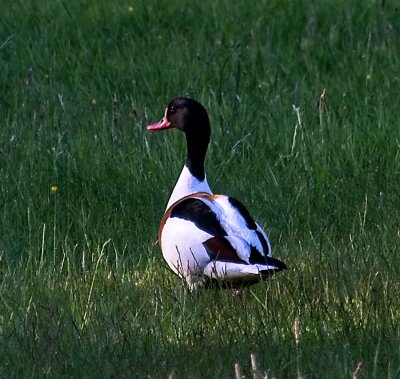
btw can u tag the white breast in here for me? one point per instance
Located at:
(186, 185)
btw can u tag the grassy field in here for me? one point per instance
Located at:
(84, 291)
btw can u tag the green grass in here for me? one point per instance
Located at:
(84, 291)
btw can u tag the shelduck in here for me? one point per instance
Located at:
(206, 237)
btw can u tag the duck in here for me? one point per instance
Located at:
(207, 238)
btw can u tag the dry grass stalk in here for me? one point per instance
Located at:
(238, 372)
(254, 367)
(358, 370)
(321, 100)
(297, 329)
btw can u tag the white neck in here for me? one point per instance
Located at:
(186, 185)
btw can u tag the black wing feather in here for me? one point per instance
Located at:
(200, 214)
(250, 223)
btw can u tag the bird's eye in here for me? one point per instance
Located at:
(172, 109)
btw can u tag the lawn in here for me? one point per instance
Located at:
(303, 98)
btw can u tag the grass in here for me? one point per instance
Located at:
(84, 291)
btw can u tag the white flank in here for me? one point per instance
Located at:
(182, 247)
(229, 271)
